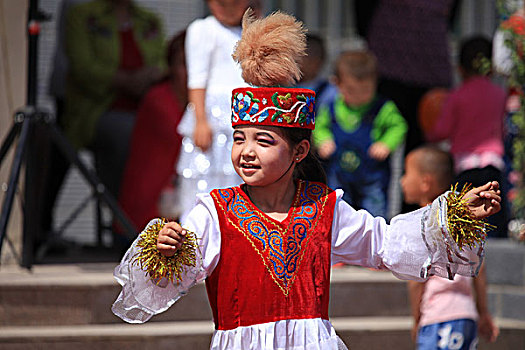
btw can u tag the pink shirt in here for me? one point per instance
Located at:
(446, 300)
(472, 119)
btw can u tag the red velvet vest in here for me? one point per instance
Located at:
(270, 270)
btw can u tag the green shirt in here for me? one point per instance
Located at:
(93, 50)
(389, 126)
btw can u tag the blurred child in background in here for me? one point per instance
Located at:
(472, 121)
(357, 131)
(212, 74)
(446, 313)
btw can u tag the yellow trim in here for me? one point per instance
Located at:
(283, 234)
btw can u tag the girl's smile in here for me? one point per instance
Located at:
(261, 155)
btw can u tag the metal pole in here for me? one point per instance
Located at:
(13, 181)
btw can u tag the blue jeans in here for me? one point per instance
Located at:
(369, 196)
(452, 335)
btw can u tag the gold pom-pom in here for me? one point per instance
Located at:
(465, 229)
(158, 266)
(270, 49)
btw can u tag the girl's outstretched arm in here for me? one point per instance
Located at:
(163, 264)
(484, 200)
(440, 239)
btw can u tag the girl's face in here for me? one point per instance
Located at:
(261, 155)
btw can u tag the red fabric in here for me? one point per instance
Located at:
(289, 107)
(249, 285)
(130, 60)
(154, 150)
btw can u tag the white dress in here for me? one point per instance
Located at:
(412, 246)
(209, 48)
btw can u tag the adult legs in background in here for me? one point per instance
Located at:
(406, 97)
(113, 133)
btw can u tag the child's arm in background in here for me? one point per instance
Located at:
(202, 134)
(389, 132)
(415, 292)
(486, 327)
(322, 135)
(199, 47)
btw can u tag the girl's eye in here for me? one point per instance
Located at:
(237, 139)
(266, 141)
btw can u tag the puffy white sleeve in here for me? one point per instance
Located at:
(413, 246)
(199, 46)
(141, 297)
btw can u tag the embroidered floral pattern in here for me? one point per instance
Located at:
(292, 109)
(280, 246)
(246, 107)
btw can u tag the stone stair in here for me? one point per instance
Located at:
(505, 264)
(68, 306)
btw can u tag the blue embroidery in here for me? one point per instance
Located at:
(281, 249)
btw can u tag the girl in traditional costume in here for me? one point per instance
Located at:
(265, 248)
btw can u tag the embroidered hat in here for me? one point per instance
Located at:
(268, 53)
(288, 107)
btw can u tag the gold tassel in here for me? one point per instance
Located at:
(463, 227)
(158, 266)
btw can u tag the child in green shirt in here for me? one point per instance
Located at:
(357, 132)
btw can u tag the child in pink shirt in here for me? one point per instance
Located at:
(472, 121)
(447, 313)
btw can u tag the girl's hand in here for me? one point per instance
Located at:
(170, 239)
(485, 200)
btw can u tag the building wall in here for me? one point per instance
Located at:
(12, 96)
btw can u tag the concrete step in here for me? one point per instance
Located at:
(79, 294)
(505, 262)
(358, 333)
(83, 294)
(505, 266)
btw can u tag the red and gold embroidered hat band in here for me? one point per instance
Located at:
(285, 107)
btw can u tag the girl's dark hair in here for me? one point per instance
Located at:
(475, 55)
(309, 169)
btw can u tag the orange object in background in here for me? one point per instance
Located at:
(430, 108)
